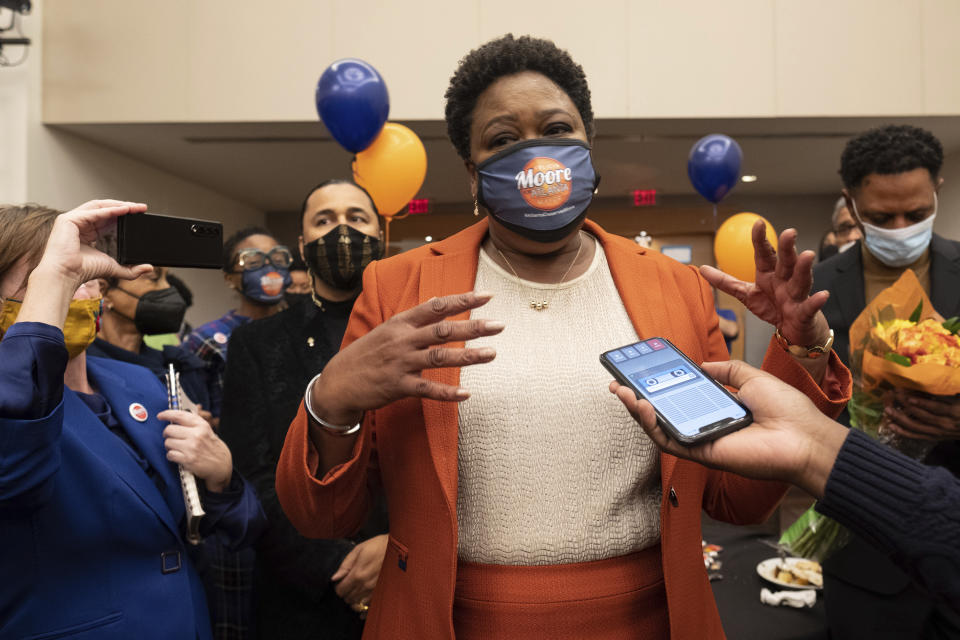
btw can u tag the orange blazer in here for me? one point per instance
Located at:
(409, 448)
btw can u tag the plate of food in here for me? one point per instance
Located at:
(792, 573)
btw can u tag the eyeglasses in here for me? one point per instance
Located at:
(252, 259)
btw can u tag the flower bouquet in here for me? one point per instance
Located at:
(897, 342)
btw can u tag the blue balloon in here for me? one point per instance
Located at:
(714, 166)
(353, 103)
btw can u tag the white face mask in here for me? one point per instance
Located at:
(898, 247)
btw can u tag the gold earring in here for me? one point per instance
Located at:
(476, 210)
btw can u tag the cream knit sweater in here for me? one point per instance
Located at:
(552, 468)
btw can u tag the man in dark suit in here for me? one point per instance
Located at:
(891, 178)
(304, 589)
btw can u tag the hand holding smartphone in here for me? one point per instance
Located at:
(691, 406)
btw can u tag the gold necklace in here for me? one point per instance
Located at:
(541, 305)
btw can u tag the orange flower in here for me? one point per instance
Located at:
(928, 342)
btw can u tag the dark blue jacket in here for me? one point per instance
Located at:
(91, 542)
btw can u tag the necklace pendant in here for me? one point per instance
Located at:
(539, 305)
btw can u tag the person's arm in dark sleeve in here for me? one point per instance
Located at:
(245, 427)
(32, 362)
(234, 515)
(215, 384)
(904, 508)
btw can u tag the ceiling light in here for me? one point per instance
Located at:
(748, 178)
(428, 239)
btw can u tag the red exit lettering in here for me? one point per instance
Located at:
(420, 205)
(644, 197)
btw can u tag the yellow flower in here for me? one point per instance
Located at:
(887, 331)
(928, 342)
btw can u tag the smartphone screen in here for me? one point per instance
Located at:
(691, 404)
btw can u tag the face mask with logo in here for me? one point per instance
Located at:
(540, 188)
(266, 284)
(340, 256)
(159, 311)
(79, 328)
(898, 247)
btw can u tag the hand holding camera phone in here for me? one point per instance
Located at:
(690, 405)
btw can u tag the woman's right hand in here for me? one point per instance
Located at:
(385, 364)
(69, 249)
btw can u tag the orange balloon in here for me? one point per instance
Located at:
(733, 245)
(392, 169)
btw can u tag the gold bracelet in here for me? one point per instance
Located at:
(813, 352)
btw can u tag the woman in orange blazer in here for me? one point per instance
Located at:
(523, 503)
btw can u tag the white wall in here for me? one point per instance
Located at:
(948, 214)
(40, 164)
(65, 170)
(243, 60)
(14, 89)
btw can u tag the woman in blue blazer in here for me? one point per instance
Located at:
(91, 510)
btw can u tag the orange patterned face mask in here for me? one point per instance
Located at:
(79, 329)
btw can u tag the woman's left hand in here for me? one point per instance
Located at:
(358, 573)
(781, 293)
(913, 414)
(191, 442)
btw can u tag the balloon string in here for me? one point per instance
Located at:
(716, 293)
(386, 248)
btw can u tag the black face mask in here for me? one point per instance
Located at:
(339, 257)
(159, 311)
(293, 299)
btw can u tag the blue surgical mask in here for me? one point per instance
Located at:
(266, 284)
(898, 247)
(540, 188)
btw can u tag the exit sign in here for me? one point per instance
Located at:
(644, 197)
(421, 205)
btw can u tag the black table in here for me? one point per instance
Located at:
(738, 593)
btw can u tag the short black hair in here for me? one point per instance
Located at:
(181, 288)
(298, 264)
(506, 56)
(888, 150)
(230, 245)
(327, 183)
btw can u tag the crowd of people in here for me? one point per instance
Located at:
(457, 383)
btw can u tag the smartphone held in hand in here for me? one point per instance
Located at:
(163, 241)
(691, 406)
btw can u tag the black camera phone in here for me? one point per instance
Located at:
(691, 406)
(164, 241)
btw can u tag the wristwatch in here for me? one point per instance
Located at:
(805, 352)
